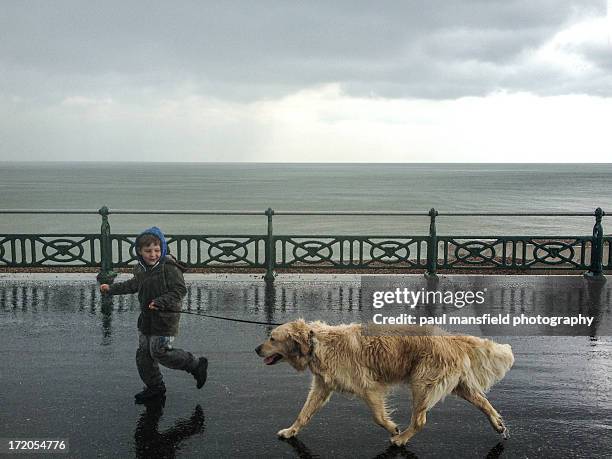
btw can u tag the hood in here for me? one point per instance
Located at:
(155, 231)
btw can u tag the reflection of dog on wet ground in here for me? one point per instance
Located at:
(344, 358)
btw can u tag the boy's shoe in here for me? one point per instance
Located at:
(149, 393)
(155, 405)
(200, 372)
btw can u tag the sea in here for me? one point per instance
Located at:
(305, 187)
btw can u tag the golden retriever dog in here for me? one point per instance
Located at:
(350, 359)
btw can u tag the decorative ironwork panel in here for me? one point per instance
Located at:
(32, 250)
(514, 252)
(322, 251)
(199, 251)
(352, 252)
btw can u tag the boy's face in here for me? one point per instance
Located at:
(150, 253)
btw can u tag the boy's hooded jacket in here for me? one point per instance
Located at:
(162, 283)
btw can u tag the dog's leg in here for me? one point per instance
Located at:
(417, 421)
(479, 400)
(424, 397)
(376, 402)
(317, 397)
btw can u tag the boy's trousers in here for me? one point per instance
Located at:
(154, 349)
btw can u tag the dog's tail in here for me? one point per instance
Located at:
(489, 363)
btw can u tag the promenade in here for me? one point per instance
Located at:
(68, 372)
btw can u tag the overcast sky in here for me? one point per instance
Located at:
(427, 80)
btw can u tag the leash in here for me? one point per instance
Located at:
(229, 319)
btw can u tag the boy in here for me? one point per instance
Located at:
(158, 280)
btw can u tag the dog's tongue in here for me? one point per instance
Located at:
(269, 360)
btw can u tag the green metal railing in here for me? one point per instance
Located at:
(267, 252)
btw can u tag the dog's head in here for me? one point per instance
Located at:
(292, 342)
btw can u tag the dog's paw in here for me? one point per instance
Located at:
(501, 428)
(287, 433)
(397, 440)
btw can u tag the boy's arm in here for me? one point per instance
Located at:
(171, 300)
(122, 288)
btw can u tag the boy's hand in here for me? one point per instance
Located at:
(152, 305)
(104, 288)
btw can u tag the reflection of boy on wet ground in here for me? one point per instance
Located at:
(150, 442)
(158, 280)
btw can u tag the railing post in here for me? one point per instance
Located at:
(106, 274)
(270, 250)
(595, 271)
(432, 246)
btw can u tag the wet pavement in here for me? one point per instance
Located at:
(68, 371)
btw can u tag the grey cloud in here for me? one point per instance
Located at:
(598, 55)
(251, 50)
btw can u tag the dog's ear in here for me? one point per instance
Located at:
(301, 334)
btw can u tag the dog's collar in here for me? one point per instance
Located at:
(310, 344)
